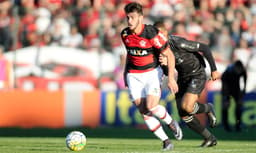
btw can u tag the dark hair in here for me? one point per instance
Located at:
(238, 67)
(133, 7)
(159, 24)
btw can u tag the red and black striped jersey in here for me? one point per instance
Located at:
(143, 49)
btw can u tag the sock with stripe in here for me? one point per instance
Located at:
(161, 112)
(200, 108)
(194, 124)
(155, 126)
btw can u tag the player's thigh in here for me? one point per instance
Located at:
(153, 82)
(194, 88)
(152, 101)
(196, 84)
(153, 87)
(136, 87)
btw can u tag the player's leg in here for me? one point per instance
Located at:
(136, 85)
(153, 97)
(225, 99)
(154, 126)
(153, 92)
(161, 112)
(192, 106)
(190, 103)
(194, 124)
(136, 88)
(238, 111)
(225, 107)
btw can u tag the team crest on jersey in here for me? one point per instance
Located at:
(127, 41)
(142, 43)
(193, 84)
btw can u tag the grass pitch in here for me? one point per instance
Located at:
(120, 140)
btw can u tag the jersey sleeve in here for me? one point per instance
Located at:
(157, 39)
(184, 44)
(124, 33)
(193, 46)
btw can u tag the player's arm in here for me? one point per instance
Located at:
(171, 69)
(160, 42)
(193, 46)
(123, 34)
(209, 57)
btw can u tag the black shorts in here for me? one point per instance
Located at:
(192, 84)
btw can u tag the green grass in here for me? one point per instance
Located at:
(120, 140)
(118, 145)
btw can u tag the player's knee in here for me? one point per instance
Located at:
(188, 108)
(143, 110)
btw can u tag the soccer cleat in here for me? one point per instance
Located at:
(177, 132)
(212, 117)
(210, 142)
(167, 145)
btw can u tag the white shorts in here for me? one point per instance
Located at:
(142, 84)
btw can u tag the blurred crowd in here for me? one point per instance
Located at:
(228, 26)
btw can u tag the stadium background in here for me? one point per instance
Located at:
(63, 59)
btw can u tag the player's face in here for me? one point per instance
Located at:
(134, 20)
(164, 31)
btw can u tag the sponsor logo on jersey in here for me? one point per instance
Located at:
(183, 45)
(137, 52)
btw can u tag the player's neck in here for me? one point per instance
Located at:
(138, 29)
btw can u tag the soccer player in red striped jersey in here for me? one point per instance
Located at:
(143, 74)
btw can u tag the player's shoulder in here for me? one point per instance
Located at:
(183, 42)
(176, 38)
(125, 32)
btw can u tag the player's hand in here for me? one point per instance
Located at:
(215, 75)
(172, 85)
(162, 59)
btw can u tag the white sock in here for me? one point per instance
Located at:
(155, 126)
(160, 112)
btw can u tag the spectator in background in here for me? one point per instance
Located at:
(242, 52)
(224, 45)
(5, 25)
(5, 71)
(231, 89)
(74, 39)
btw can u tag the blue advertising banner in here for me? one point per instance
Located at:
(118, 110)
(248, 110)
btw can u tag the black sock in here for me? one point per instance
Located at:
(194, 124)
(200, 108)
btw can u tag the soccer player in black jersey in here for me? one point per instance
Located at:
(190, 66)
(143, 74)
(231, 89)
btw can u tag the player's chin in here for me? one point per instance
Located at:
(131, 27)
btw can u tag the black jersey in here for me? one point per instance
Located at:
(188, 60)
